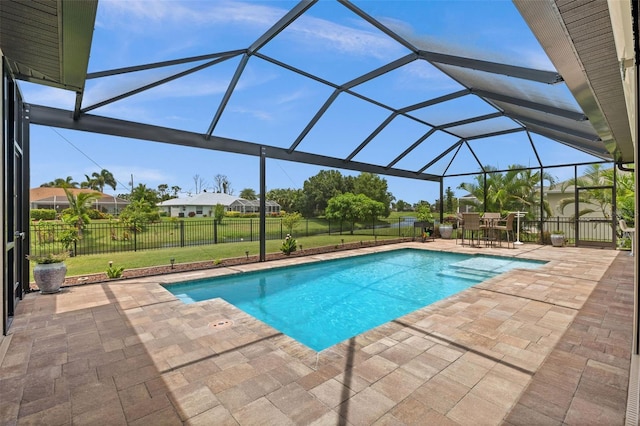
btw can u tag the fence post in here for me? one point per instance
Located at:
(307, 228)
(399, 230)
(281, 237)
(251, 229)
(182, 233)
(215, 231)
(135, 236)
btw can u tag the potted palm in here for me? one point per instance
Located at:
(49, 271)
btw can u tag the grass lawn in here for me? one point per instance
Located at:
(91, 264)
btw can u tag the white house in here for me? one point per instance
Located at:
(203, 205)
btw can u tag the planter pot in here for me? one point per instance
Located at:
(446, 231)
(557, 240)
(49, 276)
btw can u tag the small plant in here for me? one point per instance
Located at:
(289, 245)
(114, 271)
(217, 262)
(68, 238)
(45, 259)
(557, 232)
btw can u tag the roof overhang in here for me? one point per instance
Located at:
(48, 41)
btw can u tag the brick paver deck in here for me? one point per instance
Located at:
(549, 346)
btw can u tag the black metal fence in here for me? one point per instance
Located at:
(109, 237)
(599, 231)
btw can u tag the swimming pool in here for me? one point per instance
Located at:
(323, 303)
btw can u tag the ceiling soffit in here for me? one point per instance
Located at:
(578, 38)
(47, 41)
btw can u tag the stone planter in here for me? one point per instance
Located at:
(557, 240)
(49, 276)
(446, 231)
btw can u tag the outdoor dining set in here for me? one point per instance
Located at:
(488, 228)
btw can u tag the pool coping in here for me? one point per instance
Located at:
(466, 359)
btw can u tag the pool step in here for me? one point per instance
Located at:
(468, 274)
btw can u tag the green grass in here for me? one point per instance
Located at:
(104, 236)
(97, 263)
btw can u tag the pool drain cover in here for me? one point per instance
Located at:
(223, 323)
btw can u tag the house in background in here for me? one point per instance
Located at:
(56, 199)
(203, 205)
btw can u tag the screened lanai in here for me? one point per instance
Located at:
(423, 91)
(427, 92)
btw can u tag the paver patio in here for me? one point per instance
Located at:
(548, 346)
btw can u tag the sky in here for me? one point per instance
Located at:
(272, 106)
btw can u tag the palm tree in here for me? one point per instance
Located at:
(61, 183)
(89, 183)
(105, 178)
(594, 196)
(248, 194)
(97, 181)
(79, 205)
(517, 189)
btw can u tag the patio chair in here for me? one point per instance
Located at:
(471, 223)
(459, 226)
(487, 224)
(506, 225)
(629, 231)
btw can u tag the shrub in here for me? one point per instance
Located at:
(291, 220)
(114, 271)
(69, 237)
(289, 245)
(43, 214)
(96, 214)
(48, 258)
(191, 214)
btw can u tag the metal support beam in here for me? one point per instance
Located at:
(282, 23)
(228, 93)
(314, 120)
(55, 117)
(439, 157)
(155, 84)
(540, 76)
(435, 101)
(411, 148)
(263, 204)
(373, 134)
(162, 64)
(441, 209)
(470, 120)
(548, 109)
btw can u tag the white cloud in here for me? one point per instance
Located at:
(48, 96)
(214, 13)
(259, 114)
(287, 98)
(343, 38)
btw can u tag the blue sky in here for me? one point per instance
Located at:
(271, 106)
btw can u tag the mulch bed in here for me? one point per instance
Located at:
(209, 264)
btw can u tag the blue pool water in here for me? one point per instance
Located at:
(324, 303)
